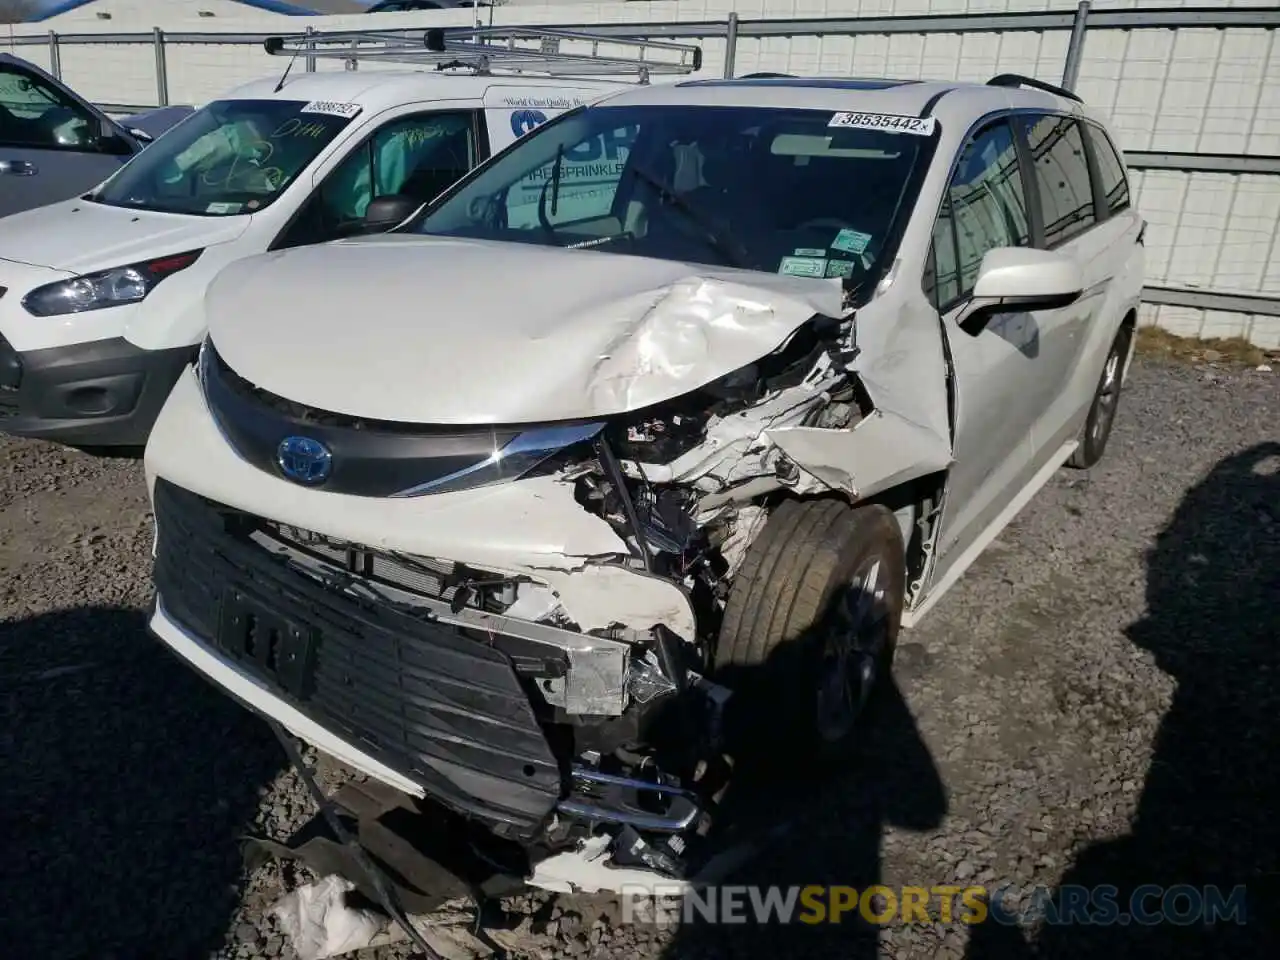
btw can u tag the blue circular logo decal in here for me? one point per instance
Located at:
(522, 121)
(304, 460)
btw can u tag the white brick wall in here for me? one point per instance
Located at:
(1189, 90)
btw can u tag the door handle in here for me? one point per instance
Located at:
(17, 168)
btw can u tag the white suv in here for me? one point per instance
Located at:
(637, 447)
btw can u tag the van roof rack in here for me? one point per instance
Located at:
(1017, 80)
(484, 49)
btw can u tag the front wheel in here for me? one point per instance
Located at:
(1106, 399)
(811, 623)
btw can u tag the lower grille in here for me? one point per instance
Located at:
(442, 709)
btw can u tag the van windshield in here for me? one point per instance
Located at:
(800, 192)
(231, 157)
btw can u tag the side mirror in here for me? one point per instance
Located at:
(1020, 278)
(383, 213)
(141, 136)
(111, 142)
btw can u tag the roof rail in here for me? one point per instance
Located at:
(1017, 80)
(484, 49)
(767, 76)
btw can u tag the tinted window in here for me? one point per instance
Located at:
(943, 277)
(418, 156)
(1111, 176)
(1062, 176)
(231, 157)
(776, 190)
(36, 115)
(986, 207)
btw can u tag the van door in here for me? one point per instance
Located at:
(999, 371)
(53, 144)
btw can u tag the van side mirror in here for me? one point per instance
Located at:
(111, 142)
(1015, 279)
(383, 213)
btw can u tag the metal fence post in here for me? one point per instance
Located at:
(730, 45)
(55, 55)
(162, 68)
(1075, 50)
(311, 45)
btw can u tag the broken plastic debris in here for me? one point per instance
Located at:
(320, 924)
(646, 682)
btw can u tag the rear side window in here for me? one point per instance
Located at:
(1111, 178)
(1062, 177)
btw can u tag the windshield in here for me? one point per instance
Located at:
(231, 157)
(782, 191)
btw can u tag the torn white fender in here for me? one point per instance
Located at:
(880, 452)
(903, 369)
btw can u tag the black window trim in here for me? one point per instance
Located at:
(1102, 204)
(479, 131)
(1090, 164)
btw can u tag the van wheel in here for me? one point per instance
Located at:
(1106, 399)
(810, 624)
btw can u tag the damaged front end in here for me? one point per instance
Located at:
(556, 709)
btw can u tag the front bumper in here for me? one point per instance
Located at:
(101, 393)
(412, 701)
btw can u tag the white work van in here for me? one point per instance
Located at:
(101, 296)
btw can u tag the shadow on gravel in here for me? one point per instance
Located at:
(126, 782)
(1209, 814)
(835, 840)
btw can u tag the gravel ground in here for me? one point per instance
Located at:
(1095, 702)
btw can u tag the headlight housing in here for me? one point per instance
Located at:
(105, 288)
(512, 461)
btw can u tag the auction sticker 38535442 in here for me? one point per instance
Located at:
(888, 122)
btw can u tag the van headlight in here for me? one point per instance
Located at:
(105, 288)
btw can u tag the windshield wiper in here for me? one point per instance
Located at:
(553, 184)
(730, 250)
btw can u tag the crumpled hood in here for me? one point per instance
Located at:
(77, 236)
(448, 331)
